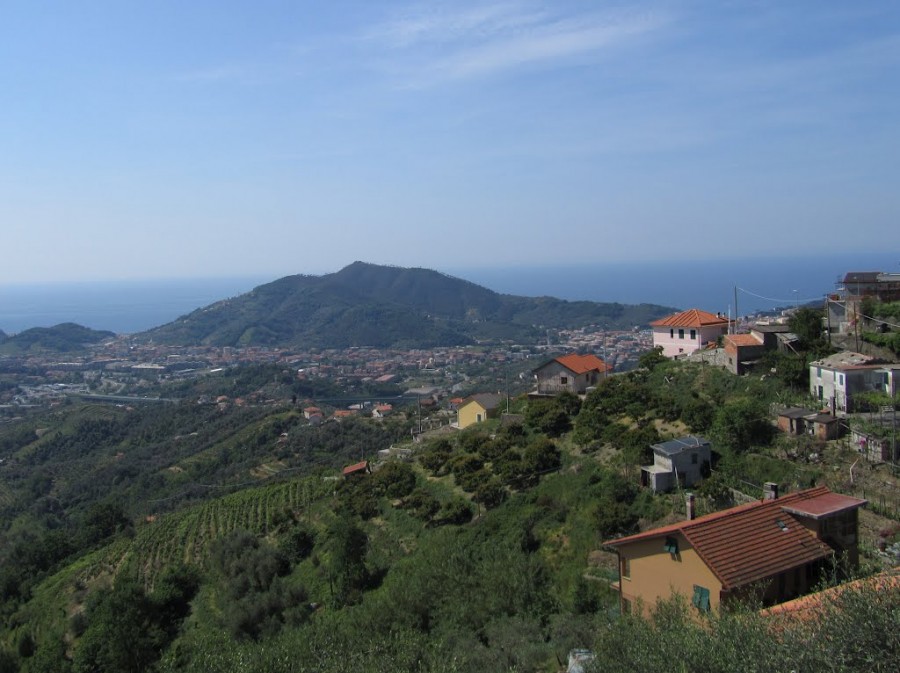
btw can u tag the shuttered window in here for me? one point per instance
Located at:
(701, 598)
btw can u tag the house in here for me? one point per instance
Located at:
(382, 410)
(571, 373)
(773, 549)
(837, 379)
(774, 336)
(357, 469)
(882, 286)
(682, 461)
(742, 351)
(478, 408)
(845, 306)
(796, 421)
(683, 333)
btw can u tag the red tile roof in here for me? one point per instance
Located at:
(743, 340)
(750, 542)
(691, 318)
(827, 504)
(811, 606)
(579, 364)
(356, 467)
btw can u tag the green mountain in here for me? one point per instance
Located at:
(383, 306)
(63, 338)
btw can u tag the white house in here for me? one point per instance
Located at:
(683, 333)
(835, 380)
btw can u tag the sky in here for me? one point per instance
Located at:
(161, 139)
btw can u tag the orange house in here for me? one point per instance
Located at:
(772, 549)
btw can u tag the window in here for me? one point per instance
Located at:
(563, 380)
(625, 567)
(681, 334)
(478, 418)
(840, 379)
(693, 335)
(819, 372)
(700, 599)
(671, 545)
(671, 333)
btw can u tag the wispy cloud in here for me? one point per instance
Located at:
(451, 43)
(214, 74)
(444, 24)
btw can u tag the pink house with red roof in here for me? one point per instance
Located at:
(683, 333)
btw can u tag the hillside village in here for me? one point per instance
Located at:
(503, 508)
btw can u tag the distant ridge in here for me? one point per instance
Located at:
(386, 306)
(63, 338)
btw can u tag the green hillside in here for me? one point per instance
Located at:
(204, 538)
(380, 306)
(63, 338)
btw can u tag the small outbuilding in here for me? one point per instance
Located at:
(677, 462)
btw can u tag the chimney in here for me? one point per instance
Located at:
(770, 491)
(689, 506)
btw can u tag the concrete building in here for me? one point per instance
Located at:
(681, 461)
(796, 421)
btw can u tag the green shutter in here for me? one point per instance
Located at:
(671, 545)
(700, 600)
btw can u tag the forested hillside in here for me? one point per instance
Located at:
(63, 338)
(380, 306)
(201, 537)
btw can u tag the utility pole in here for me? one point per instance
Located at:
(506, 373)
(734, 326)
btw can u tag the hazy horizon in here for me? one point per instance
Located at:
(762, 284)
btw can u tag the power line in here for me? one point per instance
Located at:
(789, 301)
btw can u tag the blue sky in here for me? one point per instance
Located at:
(220, 138)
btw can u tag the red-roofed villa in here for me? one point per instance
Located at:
(774, 549)
(683, 333)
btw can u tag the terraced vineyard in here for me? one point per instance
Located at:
(184, 536)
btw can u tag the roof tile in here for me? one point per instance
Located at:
(691, 318)
(750, 542)
(579, 364)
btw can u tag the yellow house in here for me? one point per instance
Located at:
(773, 549)
(477, 409)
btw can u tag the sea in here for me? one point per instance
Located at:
(743, 286)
